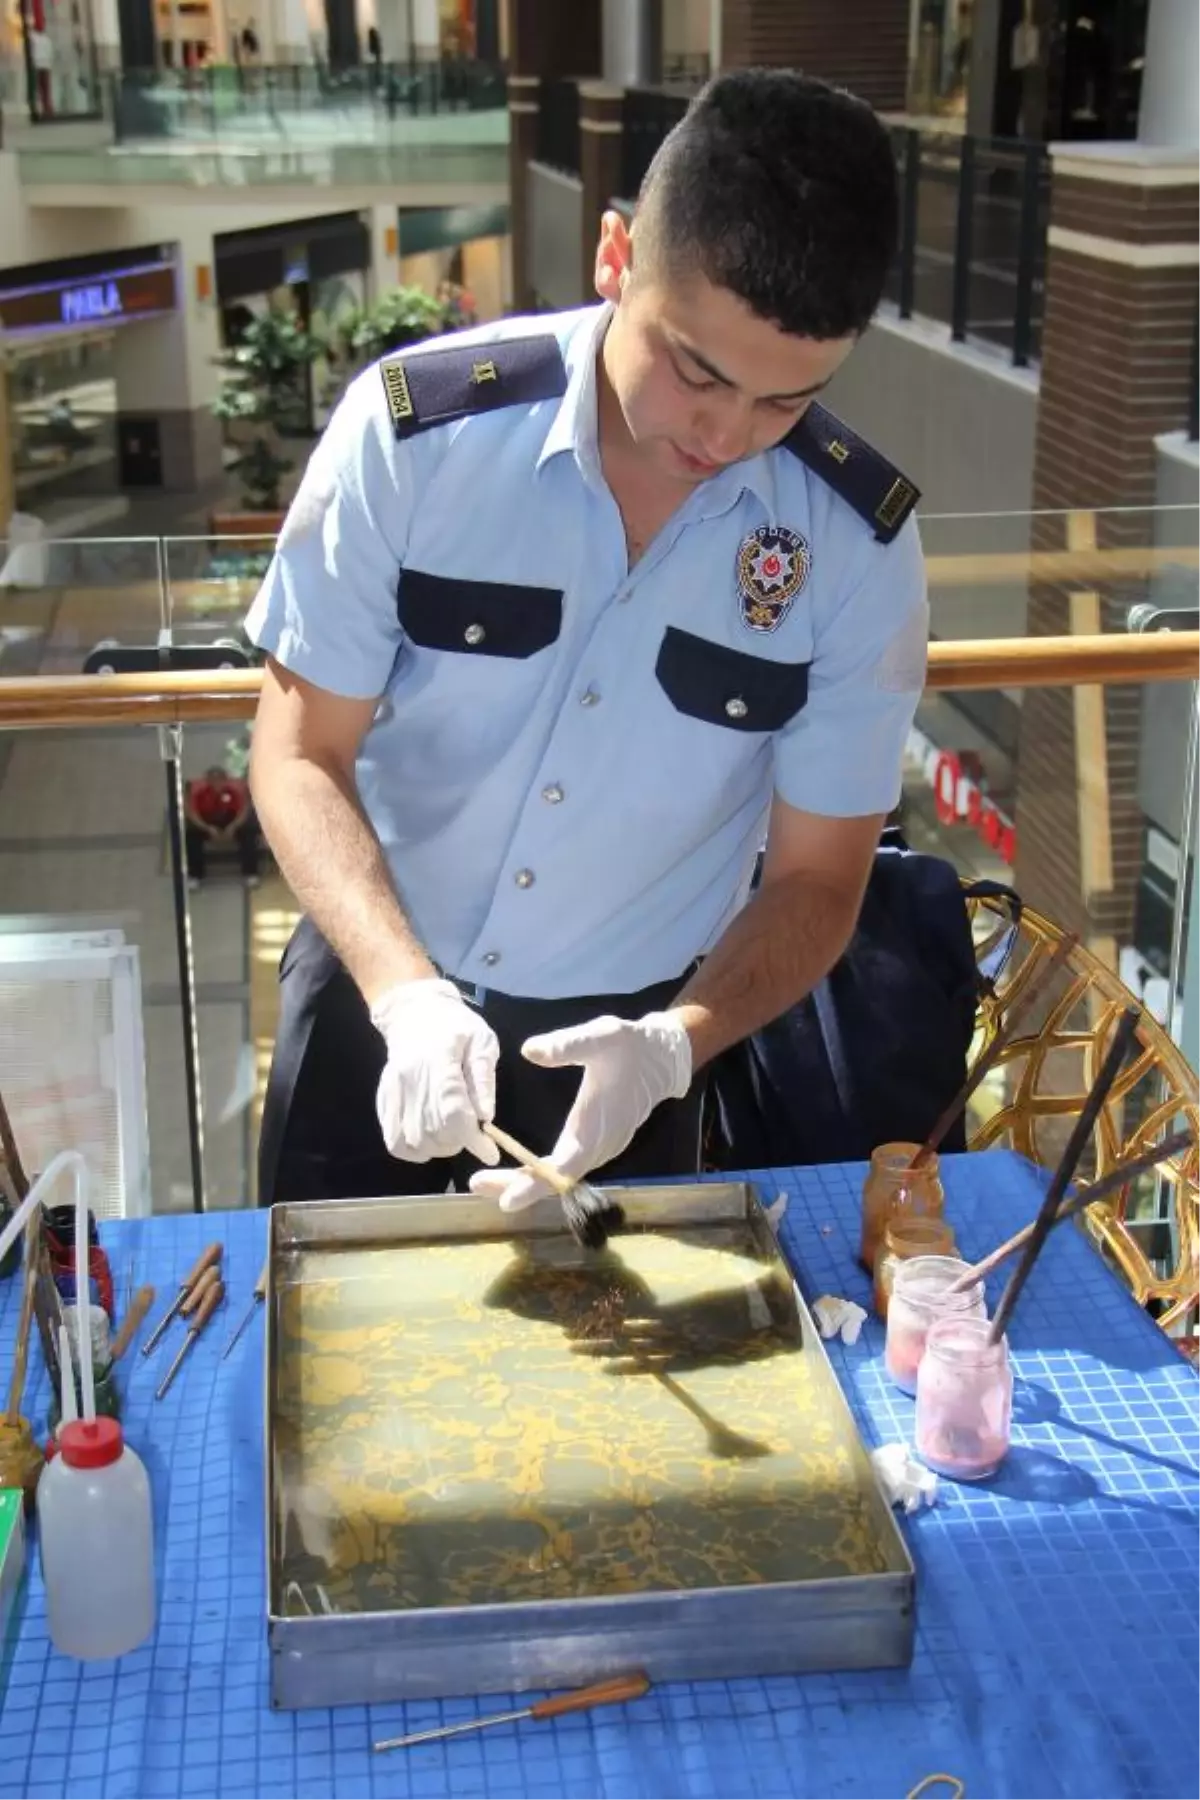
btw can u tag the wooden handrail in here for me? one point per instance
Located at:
(41, 702)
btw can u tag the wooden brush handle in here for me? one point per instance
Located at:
(208, 1279)
(983, 1068)
(135, 1312)
(11, 1155)
(1064, 1172)
(562, 1184)
(209, 1303)
(208, 1258)
(601, 1693)
(1116, 1178)
(21, 1359)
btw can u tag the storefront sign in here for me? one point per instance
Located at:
(103, 300)
(959, 800)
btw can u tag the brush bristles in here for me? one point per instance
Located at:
(591, 1216)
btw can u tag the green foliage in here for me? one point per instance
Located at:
(404, 315)
(259, 379)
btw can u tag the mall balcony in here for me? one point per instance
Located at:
(430, 130)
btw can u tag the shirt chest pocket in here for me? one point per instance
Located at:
(477, 618)
(727, 687)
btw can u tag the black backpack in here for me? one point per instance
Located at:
(880, 1047)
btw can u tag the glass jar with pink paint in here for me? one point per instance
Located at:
(964, 1400)
(921, 1294)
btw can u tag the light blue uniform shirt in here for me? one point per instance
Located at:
(572, 762)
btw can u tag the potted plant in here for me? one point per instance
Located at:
(259, 381)
(402, 316)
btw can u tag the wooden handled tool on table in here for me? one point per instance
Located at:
(987, 1062)
(135, 1312)
(199, 1309)
(208, 1259)
(1117, 1177)
(260, 1293)
(592, 1216)
(602, 1693)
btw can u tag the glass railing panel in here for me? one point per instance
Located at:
(1075, 795)
(234, 892)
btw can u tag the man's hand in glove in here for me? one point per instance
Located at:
(629, 1067)
(440, 1077)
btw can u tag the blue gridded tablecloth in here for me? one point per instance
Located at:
(1056, 1629)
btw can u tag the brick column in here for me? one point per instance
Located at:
(522, 148)
(600, 140)
(554, 37)
(545, 38)
(1120, 314)
(859, 44)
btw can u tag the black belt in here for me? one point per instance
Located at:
(476, 994)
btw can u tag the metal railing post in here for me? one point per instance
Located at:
(909, 196)
(961, 301)
(1027, 250)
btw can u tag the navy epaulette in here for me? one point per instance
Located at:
(867, 481)
(433, 387)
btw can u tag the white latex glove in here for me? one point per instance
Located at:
(440, 1076)
(629, 1067)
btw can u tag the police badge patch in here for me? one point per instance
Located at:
(772, 567)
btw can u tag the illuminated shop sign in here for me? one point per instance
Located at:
(79, 305)
(117, 299)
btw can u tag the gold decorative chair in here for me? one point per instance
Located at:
(1038, 1088)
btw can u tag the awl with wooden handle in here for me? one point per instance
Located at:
(260, 1293)
(207, 1259)
(602, 1693)
(135, 1312)
(207, 1306)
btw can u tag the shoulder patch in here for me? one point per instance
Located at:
(433, 387)
(863, 478)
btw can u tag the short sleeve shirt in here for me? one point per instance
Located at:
(572, 762)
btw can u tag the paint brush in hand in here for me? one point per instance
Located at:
(592, 1215)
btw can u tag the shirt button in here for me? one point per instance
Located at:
(525, 878)
(589, 697)
(736, 708)
(553, 793)
(474, 634)
(490, 958)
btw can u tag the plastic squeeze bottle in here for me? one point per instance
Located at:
(97, 1537)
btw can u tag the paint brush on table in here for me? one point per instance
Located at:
(1063, 1175)
(1117, 1177)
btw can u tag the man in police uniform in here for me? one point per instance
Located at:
(569, 614)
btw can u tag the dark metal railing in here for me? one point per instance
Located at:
(558, 126)
(648, 114)
(972, 241)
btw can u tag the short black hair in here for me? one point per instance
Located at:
(783, 190)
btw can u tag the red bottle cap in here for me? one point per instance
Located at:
(90, 1444)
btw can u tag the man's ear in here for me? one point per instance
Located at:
(614, 256)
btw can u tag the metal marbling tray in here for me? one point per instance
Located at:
(496, 1462)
